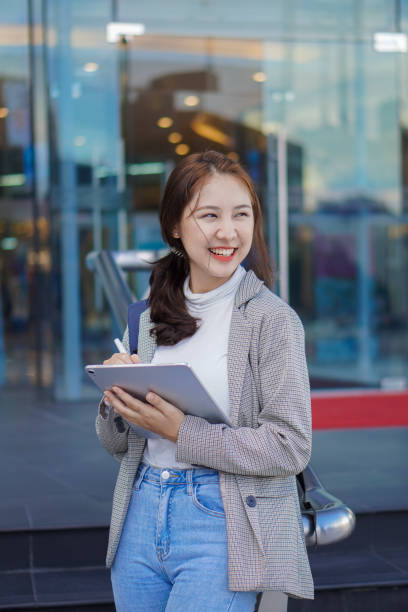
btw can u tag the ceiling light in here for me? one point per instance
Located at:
(91, 67)
(201, 126)
(259, 77)
(182, 149)
(165, 122)
(115, 31)
(175, 137)
(191, 100)
(390, 42)
(9, 243)
(12, 180)
(3, 112)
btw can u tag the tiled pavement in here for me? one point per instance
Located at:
(54, 472)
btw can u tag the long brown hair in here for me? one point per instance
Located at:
(168, 310)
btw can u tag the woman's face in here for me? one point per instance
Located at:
(216, 230)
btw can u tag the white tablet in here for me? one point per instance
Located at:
(175, 383)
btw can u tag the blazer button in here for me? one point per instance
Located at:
(251, 501)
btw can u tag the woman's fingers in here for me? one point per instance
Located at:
(120, 405)
(156, 414)
(158, 402)
(130, 405)
(121, 358)
(128, 399)
(113, 360)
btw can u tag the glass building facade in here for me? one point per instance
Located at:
(306, 95)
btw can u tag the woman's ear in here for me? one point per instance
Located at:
(175, 233)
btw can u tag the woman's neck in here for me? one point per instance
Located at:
(199, 284)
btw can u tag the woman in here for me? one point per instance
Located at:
(206, 515)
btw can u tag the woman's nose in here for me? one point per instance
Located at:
(226, 230)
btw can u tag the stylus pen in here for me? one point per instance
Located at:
(119, 346)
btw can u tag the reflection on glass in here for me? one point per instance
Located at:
(321, 126)
(348, 251)
(18, 259)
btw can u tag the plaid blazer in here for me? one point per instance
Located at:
(258, 458)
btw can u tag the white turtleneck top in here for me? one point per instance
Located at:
(206, 352)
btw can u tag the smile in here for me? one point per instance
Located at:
(223, 253)
(226, 252)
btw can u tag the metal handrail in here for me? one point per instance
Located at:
(326, 519)
(114, 283)
(110, 266)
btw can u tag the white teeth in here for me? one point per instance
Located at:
(224, 252)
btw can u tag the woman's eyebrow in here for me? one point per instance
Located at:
(204, 207)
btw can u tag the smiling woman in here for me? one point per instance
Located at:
(187, 506)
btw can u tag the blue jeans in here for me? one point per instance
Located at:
(172, 553)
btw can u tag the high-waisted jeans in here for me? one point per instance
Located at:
(172, 553)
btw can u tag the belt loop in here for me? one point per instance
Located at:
(189, 480)
(138, 480)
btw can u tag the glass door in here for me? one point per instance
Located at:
(24, 258)
(338, 110)
(318, 121)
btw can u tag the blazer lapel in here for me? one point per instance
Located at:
(238, 350)
(146, 343)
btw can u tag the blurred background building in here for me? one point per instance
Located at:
(99, 100)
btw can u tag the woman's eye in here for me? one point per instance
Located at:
(214, 216)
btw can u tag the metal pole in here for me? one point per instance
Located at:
(37, 284)
(96, 225)
(71, 313)
(283, 216)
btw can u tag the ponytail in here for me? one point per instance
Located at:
(168, 309)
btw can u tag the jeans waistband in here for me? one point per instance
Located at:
(172, 476)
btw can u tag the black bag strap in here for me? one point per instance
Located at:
(135, 311)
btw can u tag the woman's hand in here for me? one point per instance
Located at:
(121, 358)
(155, 414)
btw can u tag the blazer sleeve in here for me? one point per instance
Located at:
(115, 442)
(281, 444)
